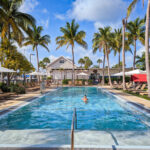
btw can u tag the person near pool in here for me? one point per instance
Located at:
(84, 98)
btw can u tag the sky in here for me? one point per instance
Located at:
(89, 14)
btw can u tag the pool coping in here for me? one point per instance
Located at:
(48, 146)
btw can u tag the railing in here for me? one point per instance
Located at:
(73, 126)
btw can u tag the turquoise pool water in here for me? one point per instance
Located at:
(54, 111)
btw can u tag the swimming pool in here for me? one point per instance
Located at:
(103, 112)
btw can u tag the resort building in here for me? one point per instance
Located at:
(61, 68)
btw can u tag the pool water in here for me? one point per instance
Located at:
(54, 111)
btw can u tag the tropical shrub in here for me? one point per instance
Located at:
(49, 78)
(65, 81)
(90, 81)
(19, 90)
(4, 87)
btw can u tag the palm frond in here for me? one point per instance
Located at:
(131, 7)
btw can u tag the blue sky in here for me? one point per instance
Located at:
(90, 14)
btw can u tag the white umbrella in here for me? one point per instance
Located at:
(37, 73)
(129, 73)
(2, 69)
(117, 74)
(137, 71)
(82, 74)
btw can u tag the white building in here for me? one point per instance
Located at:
(61, 68)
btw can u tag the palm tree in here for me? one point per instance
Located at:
(46, 61)
(102, 39)
(136, 32)
(81, 61)
(97, 45)
(88, 62)
(124, 22)
(13, 21)
(130, 8)
(36, 39)
(140, 61)
(70, 36)
(99, 61)
(117, 45)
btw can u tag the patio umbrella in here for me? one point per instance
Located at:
(5, 70)
(117, 74)
(129, 73)
(82, 74)
(137, 71)
(36, 73)
(2, 69)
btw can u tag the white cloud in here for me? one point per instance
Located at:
(52, 58)
(129, 59)
(98, 10)
(45, 23)
(60, 16)
(26, 51)
(45, 11)
(28, 6)
(80, 52)
(140, 51)
(112, 25)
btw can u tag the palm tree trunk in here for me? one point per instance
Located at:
(134, 54)
(37, 56)
(24, 79)
(123, 52)
(107, 55)
(73, 75)
(147, 47)
(8, 79)
(103, 77)
(119, 61)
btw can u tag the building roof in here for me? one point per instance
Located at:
(65, 65)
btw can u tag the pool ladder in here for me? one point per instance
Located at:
(73, 127)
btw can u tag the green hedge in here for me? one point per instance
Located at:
(65, 81)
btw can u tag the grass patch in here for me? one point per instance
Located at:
(135, 94)
(138, 95)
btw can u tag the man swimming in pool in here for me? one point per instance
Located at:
(84, 98)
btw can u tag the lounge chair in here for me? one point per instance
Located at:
(80, 83)
(129, 85)
(70, 82)
(136, 88)
(1, 92)
(115, 83)
(118, 86)
(139, 89)
(86, 83)
(143, 93)
(76, 82)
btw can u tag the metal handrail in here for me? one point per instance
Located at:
(73, 126)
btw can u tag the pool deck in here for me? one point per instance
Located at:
(140, 102)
